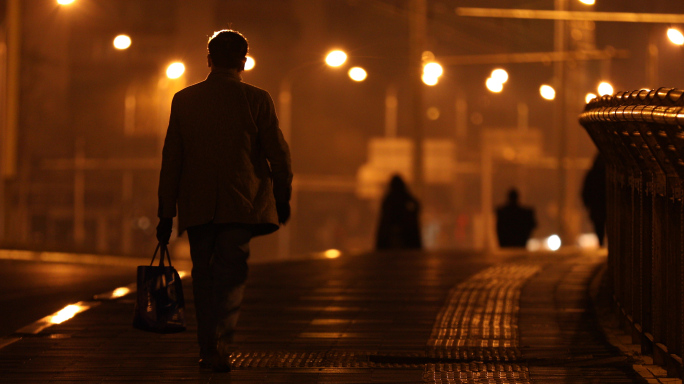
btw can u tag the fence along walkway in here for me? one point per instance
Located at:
(640, 134)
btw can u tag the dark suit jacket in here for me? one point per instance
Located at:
(224, 159)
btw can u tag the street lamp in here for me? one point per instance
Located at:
(675, 36)
(605, 89)
(336, 58)
(547, 92)
(122, 42)
(494, 85)
(357, 74)
(250, 63)
(175, 70)
(431, 73)
(589, 97)
(65, 2)
(588, 2)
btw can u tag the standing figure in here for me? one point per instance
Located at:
(399, 225)
(594, 196)
(226, 166)
(514, 223)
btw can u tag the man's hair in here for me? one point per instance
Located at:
(228, 49)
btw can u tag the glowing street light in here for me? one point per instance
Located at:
(588, 2)
(500, 75)
(65, 2)
(547, 92)
(494, 85)
(357, 74)
(250, 63)
(605, 89)
(675, 36)
(433, 69)
(122, 42)
(429, 80)
(336, 58)
(589, 97)
(175, 70)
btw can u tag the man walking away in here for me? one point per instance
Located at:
(514, 223)
(226, 166)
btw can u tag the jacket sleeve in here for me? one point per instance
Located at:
(172, 162)
(276, 149)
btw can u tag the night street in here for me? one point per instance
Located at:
(395, 317)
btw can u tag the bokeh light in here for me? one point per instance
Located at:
(65, 2)
(553, 242)
(358, 74)
(494, 85)
(336, 58)
(675, 36)
(175, 70)
(433, 69)
(589, 97)
(588, 2)
(250, 63)
(429, 80)
(605, 89)
(500, 75)
(122, 42)
(547, 92)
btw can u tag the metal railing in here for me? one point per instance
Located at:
(641, 136)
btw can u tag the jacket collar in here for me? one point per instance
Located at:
(228, 73)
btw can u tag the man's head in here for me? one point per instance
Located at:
(513, 196)
(228, 49)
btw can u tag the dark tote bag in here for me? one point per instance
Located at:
(159, 304)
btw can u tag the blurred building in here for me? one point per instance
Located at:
(81, 174)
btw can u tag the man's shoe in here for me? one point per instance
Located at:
(220, 364)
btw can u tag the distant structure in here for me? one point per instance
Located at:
(399, 226)
(514, 223)
(594, 196)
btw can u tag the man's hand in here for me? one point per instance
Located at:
(164, 229)
(283, 209)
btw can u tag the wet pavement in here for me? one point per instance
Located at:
(393, 317)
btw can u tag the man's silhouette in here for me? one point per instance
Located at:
(594, 196)
(227, 167)
(514, 223)
(399, 225)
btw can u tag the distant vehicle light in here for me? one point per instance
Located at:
(605, 89)
(336, 58)
(675, 36)
(589, 97)
(122, 42)
(547, 92)
(500, 75)
(250, 63)
(332, 254)
(358, 74)
(175, 70)
(494, 85)
(553, 242)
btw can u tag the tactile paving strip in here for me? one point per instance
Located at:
(474, 339)
(479, 324)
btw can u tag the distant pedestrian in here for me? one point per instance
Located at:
(514, 223)
(594, 196)
(399, 226)
(227, 167)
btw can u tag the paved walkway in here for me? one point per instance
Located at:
(406, 317)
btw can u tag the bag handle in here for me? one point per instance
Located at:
(164, 251)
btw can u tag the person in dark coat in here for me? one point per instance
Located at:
(226, 166)
(594, 196)
(514, 223)
(399, 226)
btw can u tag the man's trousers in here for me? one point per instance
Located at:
(219, 255)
